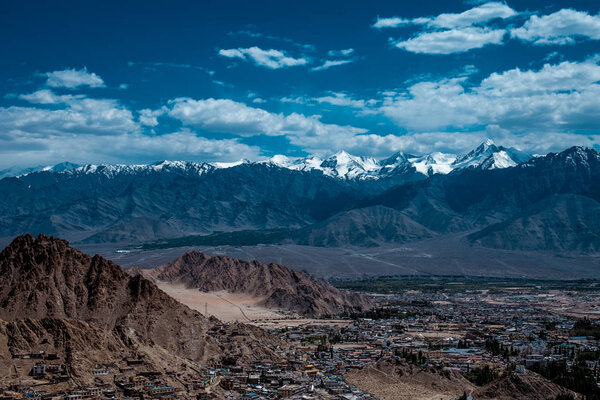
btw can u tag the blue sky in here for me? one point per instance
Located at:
(133, 81)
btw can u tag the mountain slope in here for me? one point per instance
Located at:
(280, 287)
(565, 222)
(46, 280)
(115, 204)
(168, 200)
(370, 226)
(476, 198)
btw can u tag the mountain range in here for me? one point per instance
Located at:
(339, 165)
(493, 196)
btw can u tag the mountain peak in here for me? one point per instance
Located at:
(63, 166)
(489, 156)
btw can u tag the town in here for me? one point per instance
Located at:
(478, 331)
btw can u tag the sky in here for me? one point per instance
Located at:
(142, 81)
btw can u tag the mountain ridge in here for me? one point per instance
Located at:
(169, 201)
(281, 287)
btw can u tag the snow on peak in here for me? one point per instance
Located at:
(489, 156)
(223, 165)
(433, 163)
(344, 165)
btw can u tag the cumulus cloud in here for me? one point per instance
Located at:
(272, 59)
(459, 142)
(71, 115)
(150, 117)
(340, 53)
(84, 130)
(46, 96)
(476, 15)
(483, 13)
(224, 115)
(560, 97)
(342, 99)
(560, 28)
(26, 149)
(331, 63)
(452, 41)
(450, 33)
(391, 22)
(73, 78)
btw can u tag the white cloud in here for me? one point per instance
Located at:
(560, 97)
(392, 22)
(273, 59)
(561, 27)
(342, 99)
(452, 41)
(150, 117)
(457, 142)
(46, 96)
(27, 150)
(476, 15)
(224, 115)
(331, 63)
(295, 100)
(73, 78)
(340, 53)
(564, 77)
(71, 115)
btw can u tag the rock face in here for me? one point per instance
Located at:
(89, 305)
(280, 287)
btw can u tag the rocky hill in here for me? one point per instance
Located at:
(91, 310)
(528, 385)
(281, 287)
(390, 378)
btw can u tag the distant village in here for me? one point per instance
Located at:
(478, 333)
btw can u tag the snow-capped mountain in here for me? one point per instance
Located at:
(346, 166)
(16, 171)
(186, 167)
(433, 163)
(344, 200)
(340, 165)
(489, 156)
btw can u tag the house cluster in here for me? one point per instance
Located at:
(455, 330)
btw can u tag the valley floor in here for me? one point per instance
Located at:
(447, 255)
(223, 305)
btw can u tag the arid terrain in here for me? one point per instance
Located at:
(224, 305)
(270, 286)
